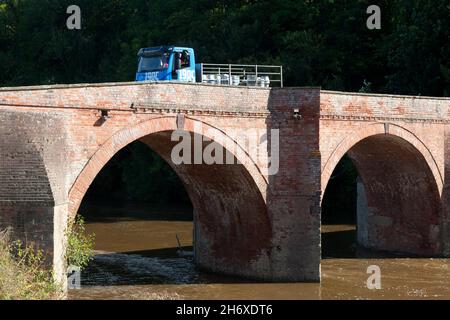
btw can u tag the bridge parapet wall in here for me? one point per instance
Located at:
(378, 107)
(126, 96)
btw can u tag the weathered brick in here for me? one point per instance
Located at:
(54, 142)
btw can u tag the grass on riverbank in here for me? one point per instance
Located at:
(22, 275)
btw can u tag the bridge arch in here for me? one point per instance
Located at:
(232, 228)
(399, 204)
(374, 129)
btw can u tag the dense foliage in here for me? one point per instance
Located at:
(339, 200)
(137, 175)
(23, 275)
(321, 43)
(80, 244)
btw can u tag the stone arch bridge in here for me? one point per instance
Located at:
(248, 222)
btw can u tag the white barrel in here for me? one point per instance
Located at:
(261, 82)
(251, 80)
(236, 80)
(225, 79)
(266, 81)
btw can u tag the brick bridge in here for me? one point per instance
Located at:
(54, 141)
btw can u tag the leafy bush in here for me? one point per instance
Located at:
(23, 274)
(79, 244)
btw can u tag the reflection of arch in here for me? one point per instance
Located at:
(232, 228)
(126, 136)
(379, 128)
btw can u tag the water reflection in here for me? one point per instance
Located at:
(137, 259)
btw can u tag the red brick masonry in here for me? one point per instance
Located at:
(54, 142)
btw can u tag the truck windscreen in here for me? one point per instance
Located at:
(152, 63)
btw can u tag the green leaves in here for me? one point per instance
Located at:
(137, 174)
(23, 275)
(418, 48)
(79, 244)
(324, 43)
(148, 178)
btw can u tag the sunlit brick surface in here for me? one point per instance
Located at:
(54, 142)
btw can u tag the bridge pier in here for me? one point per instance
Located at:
(293, 198)
(41, 226)
(362, 212)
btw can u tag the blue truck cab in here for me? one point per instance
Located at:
(166, 63)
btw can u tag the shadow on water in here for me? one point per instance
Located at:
(138, 259)
(339, 218)
(136, 245)
(341, 244)
(122, 211)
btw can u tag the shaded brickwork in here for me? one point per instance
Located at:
(32, 178)
(54, 141)
(233, 230)
(294, 192)
(397, 145)
(401, 188)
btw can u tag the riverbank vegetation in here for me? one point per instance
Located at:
(24, 272)
(23, 275)
(80, 244)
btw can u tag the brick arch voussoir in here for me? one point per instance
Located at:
(380, 128)
(167, 123)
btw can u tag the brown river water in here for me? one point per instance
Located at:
(137, 259)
